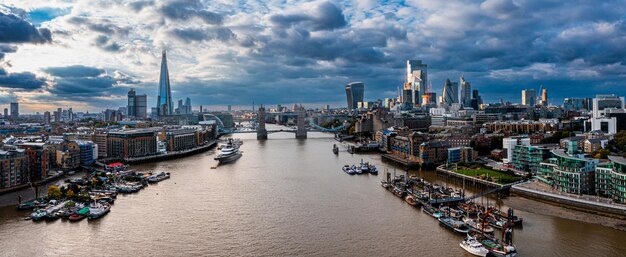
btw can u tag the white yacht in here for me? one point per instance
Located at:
(228, 153)
(471, 245)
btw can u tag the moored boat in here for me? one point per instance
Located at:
(478, 226)
(410, 199)
(38, 215)
(432, 211)
(349, 170)
(158, 177)
(456, 225)
(228, 153)
(473, 246)
(76, 217)
(98, 210)
(498, 249)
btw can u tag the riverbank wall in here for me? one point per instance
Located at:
(595, 207)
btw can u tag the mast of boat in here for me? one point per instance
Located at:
(463, 193)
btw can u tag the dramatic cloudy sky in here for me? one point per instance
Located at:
(87, 54)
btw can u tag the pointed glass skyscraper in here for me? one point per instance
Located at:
(164, 101)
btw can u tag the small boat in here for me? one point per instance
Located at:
(38, 215)
(495, 222)
(364, 166)
(98, 210)
(478, 226)
(349, 170)
(54, 216)
(432, 211)
(471, 245)
(498, 249)
(27, 205)
(399, 191)
(456, 225)
(373, 169)
(469, 208)
(76, 217)
(516, 221)
(410, 199)
(158, 177)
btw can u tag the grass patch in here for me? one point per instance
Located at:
(489, 175)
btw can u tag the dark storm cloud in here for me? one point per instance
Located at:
(87, 82)
(74, 71)
(103, 26)
(106, 43)
(4, 49)
(327, 16)
(184, 10)
(139, 5)
(203, 34)
(14, 29)
(20, 81)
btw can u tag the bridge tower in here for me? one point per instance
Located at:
(261, 132)
(301, 132)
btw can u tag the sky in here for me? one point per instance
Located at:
(87, 54)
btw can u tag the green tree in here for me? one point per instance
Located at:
(70, 194)
(54, 192)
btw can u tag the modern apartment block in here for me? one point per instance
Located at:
(610, 180)
(527, 158)
(571, 173)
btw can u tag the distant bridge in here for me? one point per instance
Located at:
(258, 126)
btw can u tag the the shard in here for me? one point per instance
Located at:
(164, 101)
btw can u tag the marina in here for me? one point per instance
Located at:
(90, 196)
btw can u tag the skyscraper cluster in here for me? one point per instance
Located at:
(417, 79)
(184, 108)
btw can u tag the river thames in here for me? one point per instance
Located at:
(286, 197)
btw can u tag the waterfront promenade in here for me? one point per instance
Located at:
(600, 205)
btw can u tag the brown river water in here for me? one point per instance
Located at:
(287, 197)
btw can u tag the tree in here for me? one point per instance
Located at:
(601, 154)
(619, 141)
(54, 192)
(70, 194)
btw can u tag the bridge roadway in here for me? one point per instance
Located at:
(273, 131)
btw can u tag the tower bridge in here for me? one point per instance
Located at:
(301, 130)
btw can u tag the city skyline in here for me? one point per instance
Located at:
(239, 54)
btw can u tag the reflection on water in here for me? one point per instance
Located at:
(284, 197)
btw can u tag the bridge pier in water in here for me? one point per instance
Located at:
(261, 132)
(301, 132)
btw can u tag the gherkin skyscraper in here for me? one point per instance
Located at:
(164, 101)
